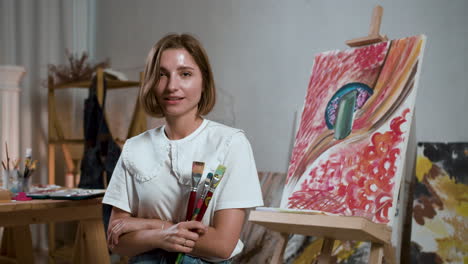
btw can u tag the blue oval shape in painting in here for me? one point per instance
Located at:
(364, 92)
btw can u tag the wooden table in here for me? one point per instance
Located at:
(16, 216)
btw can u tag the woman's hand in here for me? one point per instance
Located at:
(118, 227)
(182, 237)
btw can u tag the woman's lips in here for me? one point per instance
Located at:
(173, 100)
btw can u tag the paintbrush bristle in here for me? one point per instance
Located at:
(206, 185)
(208, 178)
(218, 176)
(197, 171)
(220, 170)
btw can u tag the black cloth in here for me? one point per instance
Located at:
(101, 151)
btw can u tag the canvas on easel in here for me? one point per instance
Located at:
(350, 148)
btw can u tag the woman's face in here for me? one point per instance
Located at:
(180, 86)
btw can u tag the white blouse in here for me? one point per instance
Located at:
(152, 178)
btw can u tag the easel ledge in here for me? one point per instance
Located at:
(337, 227)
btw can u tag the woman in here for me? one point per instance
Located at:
(150, 185)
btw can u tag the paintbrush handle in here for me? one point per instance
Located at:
(205, 204)
(193, 197)
(191, 217)
(179, 258)
(197, 208)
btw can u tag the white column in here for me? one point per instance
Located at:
(10, 77)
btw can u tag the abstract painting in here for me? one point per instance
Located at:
(439, 231)
(350, 147)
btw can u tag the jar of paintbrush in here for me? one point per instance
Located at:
(15, 180)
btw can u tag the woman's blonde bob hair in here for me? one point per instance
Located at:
(151, 77)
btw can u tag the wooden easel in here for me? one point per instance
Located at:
(333, 228)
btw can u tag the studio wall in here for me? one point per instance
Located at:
(262, 53)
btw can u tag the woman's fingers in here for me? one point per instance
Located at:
(189, 243)
(184, 245)
(201, 231)
(194, 225)
(183, 236)
(112, 226)
(180, 248)
(188, 234)
(116, 231)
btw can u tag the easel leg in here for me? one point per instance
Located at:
(389, 254)
(90, 243)
(325, 254)
(277, 257)
(376, 253)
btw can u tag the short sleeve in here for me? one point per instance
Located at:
(240, 186)
(119, 191)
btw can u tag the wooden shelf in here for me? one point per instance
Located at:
(56, 135)
(67, 141)
(111, 84)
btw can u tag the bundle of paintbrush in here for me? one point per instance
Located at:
(202, 196)
(210, 184)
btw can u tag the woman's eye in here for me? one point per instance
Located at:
(186, 74)
(162, 74)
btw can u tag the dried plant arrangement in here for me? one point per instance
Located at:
(78, 69)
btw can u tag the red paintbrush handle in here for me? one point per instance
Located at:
(197, 209)
(204, 206)
(193, 196)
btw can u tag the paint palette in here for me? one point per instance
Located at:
(60, 193)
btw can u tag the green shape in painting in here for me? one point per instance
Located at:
(345, 116)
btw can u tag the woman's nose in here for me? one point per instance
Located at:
(172, 84)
